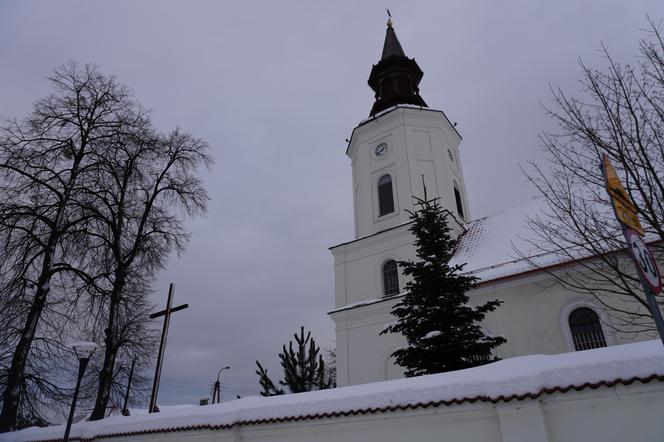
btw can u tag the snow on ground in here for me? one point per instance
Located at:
(514, 376)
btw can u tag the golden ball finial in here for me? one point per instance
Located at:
(389, 22)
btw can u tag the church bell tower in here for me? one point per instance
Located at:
(401, 148)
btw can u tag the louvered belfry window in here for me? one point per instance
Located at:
(586, 329)
(459, 204)
(385, 195)
(390, 278)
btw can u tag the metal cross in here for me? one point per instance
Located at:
(166, 313)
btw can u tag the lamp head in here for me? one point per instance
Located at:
(83, 350)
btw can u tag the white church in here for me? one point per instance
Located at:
(547, 388)
(402, 145)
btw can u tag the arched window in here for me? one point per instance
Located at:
(390, 278)
(586, 329)
(459, 204)
(385, 195)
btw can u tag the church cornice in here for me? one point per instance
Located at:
(390, 112)
(361, 242)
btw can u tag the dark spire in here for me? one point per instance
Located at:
(392, 46)
(396, 78)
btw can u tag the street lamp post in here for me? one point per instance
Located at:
(217, 385)
(83, 352)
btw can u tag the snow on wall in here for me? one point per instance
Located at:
(504, 380)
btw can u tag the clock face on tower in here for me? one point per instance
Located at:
(381, 150)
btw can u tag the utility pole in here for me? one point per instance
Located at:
(166, 313)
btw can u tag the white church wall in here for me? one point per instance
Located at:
(365, 356)
(358, 265)
(367, 169)
(434, 153)
(533, 319)
(420, 142)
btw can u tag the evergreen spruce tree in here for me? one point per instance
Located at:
(443, 332)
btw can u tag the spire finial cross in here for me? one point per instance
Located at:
(389, 18)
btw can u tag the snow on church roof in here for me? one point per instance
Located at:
(494, 247)
(520, 378)
(503, 245)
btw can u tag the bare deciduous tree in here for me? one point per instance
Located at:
(92, 201)
(151, 181)
(45, 168)
(620, 113)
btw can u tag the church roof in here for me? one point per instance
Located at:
(396, 78)
(501, 244)
(392, 47)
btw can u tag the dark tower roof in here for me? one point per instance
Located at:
(396, 78)
(391, 46)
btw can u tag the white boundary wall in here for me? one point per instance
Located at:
(630, 410)
(622, 413)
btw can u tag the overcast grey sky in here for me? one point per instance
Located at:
(275, 88)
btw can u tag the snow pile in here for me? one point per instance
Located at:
(515, 376)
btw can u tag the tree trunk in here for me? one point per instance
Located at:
(11, 398)
(112, 347)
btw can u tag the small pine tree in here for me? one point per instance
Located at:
(442, 330)
(269, 389)
(304, 368)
